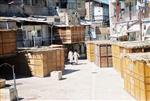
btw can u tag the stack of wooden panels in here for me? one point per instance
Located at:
(7, 42)
(69, 34)
(2, 83)
(120, 48)
(42, 61)
(137, 75)
(103, 54)
(77, 34)
(60, 55)
(60, 59)
(90, 50)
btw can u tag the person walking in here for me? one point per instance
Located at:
(70, 57)
(76, 56)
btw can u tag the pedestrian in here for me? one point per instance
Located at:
(76, 56)
(70, 57)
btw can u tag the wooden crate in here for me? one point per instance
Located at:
(69, 34)
(103, 54)
(2, 83)
(90, 51)
(117, 64)
(1, 48)
(7, 42)
(60, 59)
(38, 65)
(137, 75)
(9, 48)
(121, 48)
(42, 61)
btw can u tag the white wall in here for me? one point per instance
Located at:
(89, 10)
(98, 13)
(111, 16)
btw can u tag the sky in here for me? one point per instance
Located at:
(104, 1)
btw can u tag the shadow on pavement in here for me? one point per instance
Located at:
(81, 64)
(63, 79)
(68, 71)
(20, 99)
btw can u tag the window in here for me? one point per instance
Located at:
(34, 2)
(79, 5)
(148, 31)
(57, 4)
(71, 5)
(26, 2)
(39, 33)
(63, 3)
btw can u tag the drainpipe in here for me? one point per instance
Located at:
(7, 25)
(52, 25)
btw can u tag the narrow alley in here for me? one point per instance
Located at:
(41, 42)
(85, 81)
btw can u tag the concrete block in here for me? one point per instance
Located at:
(7, 94)
(57, 75)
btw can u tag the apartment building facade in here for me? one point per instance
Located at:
(129, 18)
(97, 18)
(36, 18)
(97, 12)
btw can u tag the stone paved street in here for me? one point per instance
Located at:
(80, 82)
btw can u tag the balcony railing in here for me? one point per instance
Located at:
(134, 15)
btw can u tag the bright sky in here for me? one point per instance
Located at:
(105, 1)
